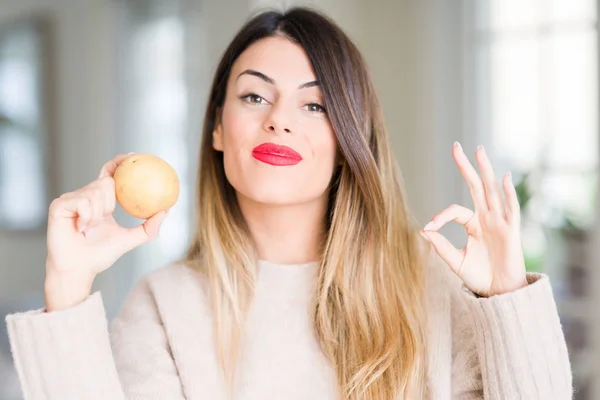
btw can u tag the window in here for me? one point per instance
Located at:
(23, 179)
(533, 100)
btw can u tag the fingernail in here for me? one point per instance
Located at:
(457, 145)
(424, 236)
(429, 226)
(82, 228)
(133, 152)
(480, 147)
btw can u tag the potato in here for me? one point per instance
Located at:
(145, 184)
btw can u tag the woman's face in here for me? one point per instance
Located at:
(277, 142)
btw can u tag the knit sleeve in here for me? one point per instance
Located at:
(70, 354)
(510, 346)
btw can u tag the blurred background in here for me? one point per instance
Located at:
(83, 80)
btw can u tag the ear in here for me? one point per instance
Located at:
(217, 138)
(217, 135)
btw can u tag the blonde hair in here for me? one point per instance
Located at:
(369, 311)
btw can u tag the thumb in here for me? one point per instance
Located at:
(145, 232)
(446, 250)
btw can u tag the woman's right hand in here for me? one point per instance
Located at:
(84, 239)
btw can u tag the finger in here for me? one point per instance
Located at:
(447, 252)
(152, 225)
(455, 212)
(490, 183)
(106, 189)
(471, 177)
(145, 232)
(110, 167)
(73, 207)
(107, 185)
(513, 209)
(96, 198)
(85, 213)
(96, 193)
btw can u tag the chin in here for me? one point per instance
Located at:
(269, 194)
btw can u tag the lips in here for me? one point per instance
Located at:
(274, 154)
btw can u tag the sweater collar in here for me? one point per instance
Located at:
(286, 280)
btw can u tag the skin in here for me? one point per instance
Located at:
(492, 262)
(284, 206)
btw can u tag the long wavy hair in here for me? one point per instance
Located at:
(368, 311)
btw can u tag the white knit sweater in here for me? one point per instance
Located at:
(161, 345)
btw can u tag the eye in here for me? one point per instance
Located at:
(314, 107)
(253, 98)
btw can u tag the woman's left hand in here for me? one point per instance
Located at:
(492, 262)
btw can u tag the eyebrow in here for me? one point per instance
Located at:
(271, 81)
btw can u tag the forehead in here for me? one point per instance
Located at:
(278, 58)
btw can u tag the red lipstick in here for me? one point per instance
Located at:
(275, 154)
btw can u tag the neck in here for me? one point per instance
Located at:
(286, 234)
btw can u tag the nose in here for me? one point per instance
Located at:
(272, 129)
(278, 121)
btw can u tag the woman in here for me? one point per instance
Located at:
(307, 278)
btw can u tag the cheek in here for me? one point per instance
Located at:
(238, 131)
(239, 127)
(324, 145)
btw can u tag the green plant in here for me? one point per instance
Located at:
(534, 261)
(524, 192)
